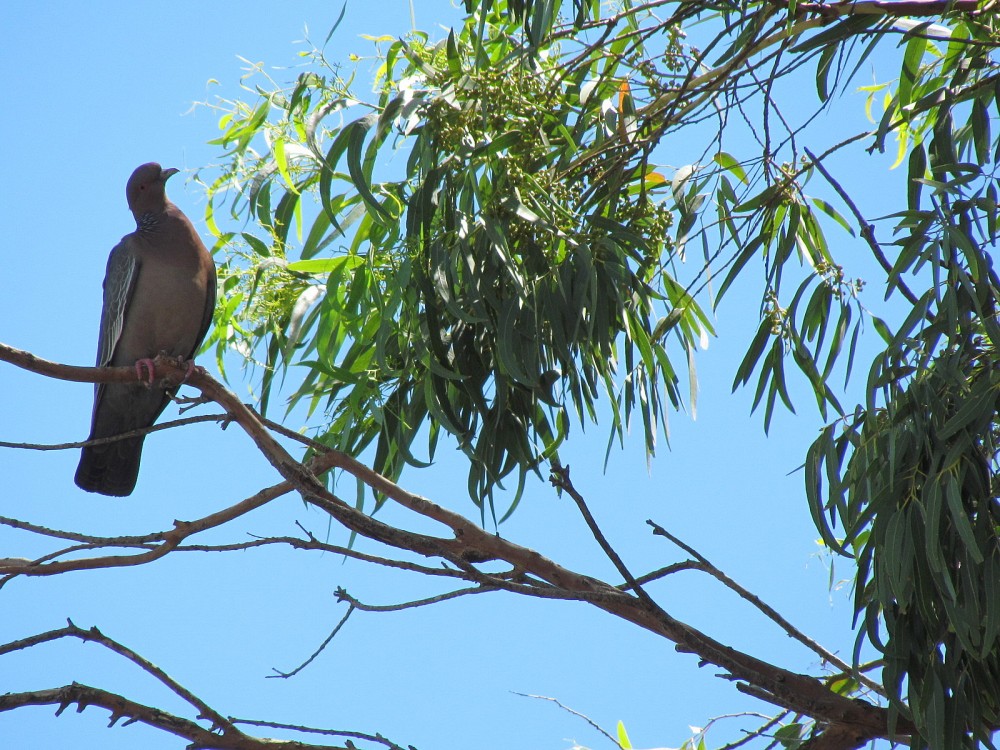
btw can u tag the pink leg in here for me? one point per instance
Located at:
(145, 364)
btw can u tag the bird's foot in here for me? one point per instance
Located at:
(149, 366)
(181, 363)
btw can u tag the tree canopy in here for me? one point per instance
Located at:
(527, 230)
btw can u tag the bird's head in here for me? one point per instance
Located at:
(146, 189)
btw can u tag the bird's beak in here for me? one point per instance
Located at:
(166, 174)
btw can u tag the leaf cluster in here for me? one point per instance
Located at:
(910, 478)
(516, 272)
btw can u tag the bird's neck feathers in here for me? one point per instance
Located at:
(152, 220)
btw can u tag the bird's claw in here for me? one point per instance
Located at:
(149, 366)
(190, 369)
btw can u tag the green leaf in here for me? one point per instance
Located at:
(730, 164)
(355, 134)
(326, 265)
(282, 161)
(960, 518)
(830, 211)
(845, 29)
(789, 735)
(750, 359)
(746, 253)
(909, 72)
(763, 198)
(623, 741)
(823, 67)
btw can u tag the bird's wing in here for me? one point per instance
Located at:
(206, 319)
(119, 283)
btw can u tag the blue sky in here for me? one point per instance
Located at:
(90, 94)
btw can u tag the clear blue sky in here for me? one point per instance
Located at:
(91, 92)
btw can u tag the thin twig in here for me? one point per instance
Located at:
(314, 730)
(759, 732)
(223, 418)
(165, 541)
(655, 575)
(168, 540)
(75, 536)
(317, 652)
(919, 8)
(314, 544)
(560, 479)
(566, 708)
(766, 609)
(867, 229)
(343, 596)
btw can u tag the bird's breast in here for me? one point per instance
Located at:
(164, 314)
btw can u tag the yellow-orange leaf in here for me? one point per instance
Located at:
(623, 93)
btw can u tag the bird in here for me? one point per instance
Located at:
(159, 298)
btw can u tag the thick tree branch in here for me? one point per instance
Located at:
(893, 8)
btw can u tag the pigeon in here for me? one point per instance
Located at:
(159, 296)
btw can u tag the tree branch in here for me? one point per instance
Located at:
(120, 707)
(470, 543)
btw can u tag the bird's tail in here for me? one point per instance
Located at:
(110, 469)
